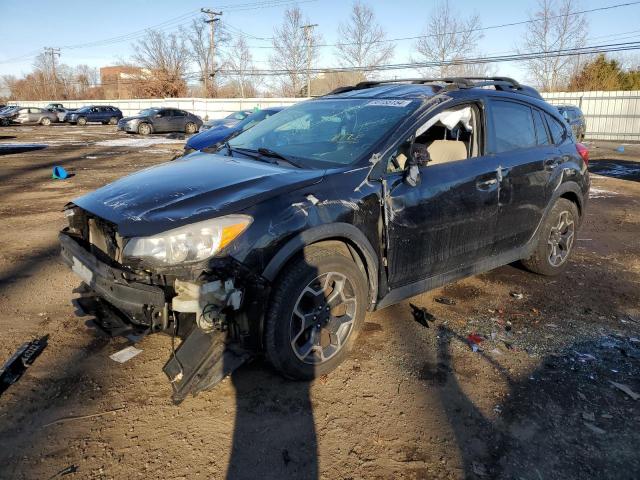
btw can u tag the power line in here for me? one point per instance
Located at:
(593, 49)
(477, 29)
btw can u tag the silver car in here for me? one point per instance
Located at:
(35, 115)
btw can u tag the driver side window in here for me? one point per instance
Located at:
(448, 136)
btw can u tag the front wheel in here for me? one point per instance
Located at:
(113, 121)
(190, 128)
(45, 121)
(556, 239)
(316, 310)
(144, 129)
(82, 121)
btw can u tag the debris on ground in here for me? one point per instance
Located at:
(59, 173)
(474, 341)
(65, 471)
(125, 354)
(421, 315)
(445, 300)
(13, 369)
(517, 295)
(625, 389)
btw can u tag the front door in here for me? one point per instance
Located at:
(162, 121)
(447, 221)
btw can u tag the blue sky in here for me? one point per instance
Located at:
(28, 26)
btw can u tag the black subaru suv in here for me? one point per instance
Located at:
(279, 243)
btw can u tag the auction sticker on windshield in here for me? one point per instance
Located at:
(388, 103)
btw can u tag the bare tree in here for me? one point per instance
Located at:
(448, 37)
(290, 51)
(164, 59)
(362, 42)
(239, 63)
(554, 26)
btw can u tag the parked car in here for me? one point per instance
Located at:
(104, 114)
(214, 137)
(8, 114)
(51, 106)
(228, 121)
(159, 120)
(575, 118)
(61, 113)
(34, 115)
(337, 205)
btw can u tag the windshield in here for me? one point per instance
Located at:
(237, 116)
(148, 112)
(331, 131)
(255, 118)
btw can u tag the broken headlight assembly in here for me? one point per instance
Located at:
(189, 244)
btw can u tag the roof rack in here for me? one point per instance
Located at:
(500, 83)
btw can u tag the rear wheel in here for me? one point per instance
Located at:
(556, 239)
(82, 121)
(46, 121)
(316, 310)
(190, 127)
(144, 129)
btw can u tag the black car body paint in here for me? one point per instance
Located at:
(460, 218)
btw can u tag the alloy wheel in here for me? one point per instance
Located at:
(323, 317)
(561, 239)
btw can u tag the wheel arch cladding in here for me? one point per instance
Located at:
(337, 236)
(574, 198)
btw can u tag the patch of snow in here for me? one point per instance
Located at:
(136, 142)
(601, 193)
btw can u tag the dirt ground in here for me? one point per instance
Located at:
(536, 402)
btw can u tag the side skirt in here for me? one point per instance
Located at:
(407, 291)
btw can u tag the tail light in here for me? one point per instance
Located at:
(583, 152)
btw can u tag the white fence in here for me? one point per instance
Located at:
(609, 115)
(207, 108)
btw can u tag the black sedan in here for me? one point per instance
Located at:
(158, 120)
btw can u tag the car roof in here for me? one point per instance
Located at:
(421, 88)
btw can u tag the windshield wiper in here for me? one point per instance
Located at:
(252, 154)
(272, 153)
(229, 150)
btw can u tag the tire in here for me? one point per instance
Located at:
(190, 128)
(82, 121)
(563, 217)
(295, 290)
(144, 129)
(45, 121)
(113, 121)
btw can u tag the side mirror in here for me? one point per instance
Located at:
(418, 157)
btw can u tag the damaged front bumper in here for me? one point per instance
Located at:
(211, 314)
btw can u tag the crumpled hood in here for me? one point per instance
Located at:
(198, 187)
(210, 137)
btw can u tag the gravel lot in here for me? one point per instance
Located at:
(536, 402)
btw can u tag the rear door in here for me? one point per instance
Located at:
(519, 140)
(447, 221)
(178, 121)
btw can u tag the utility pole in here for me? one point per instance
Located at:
(53, 52)
(307, 35)
(212, 44)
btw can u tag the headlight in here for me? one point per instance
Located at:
(188, 244)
